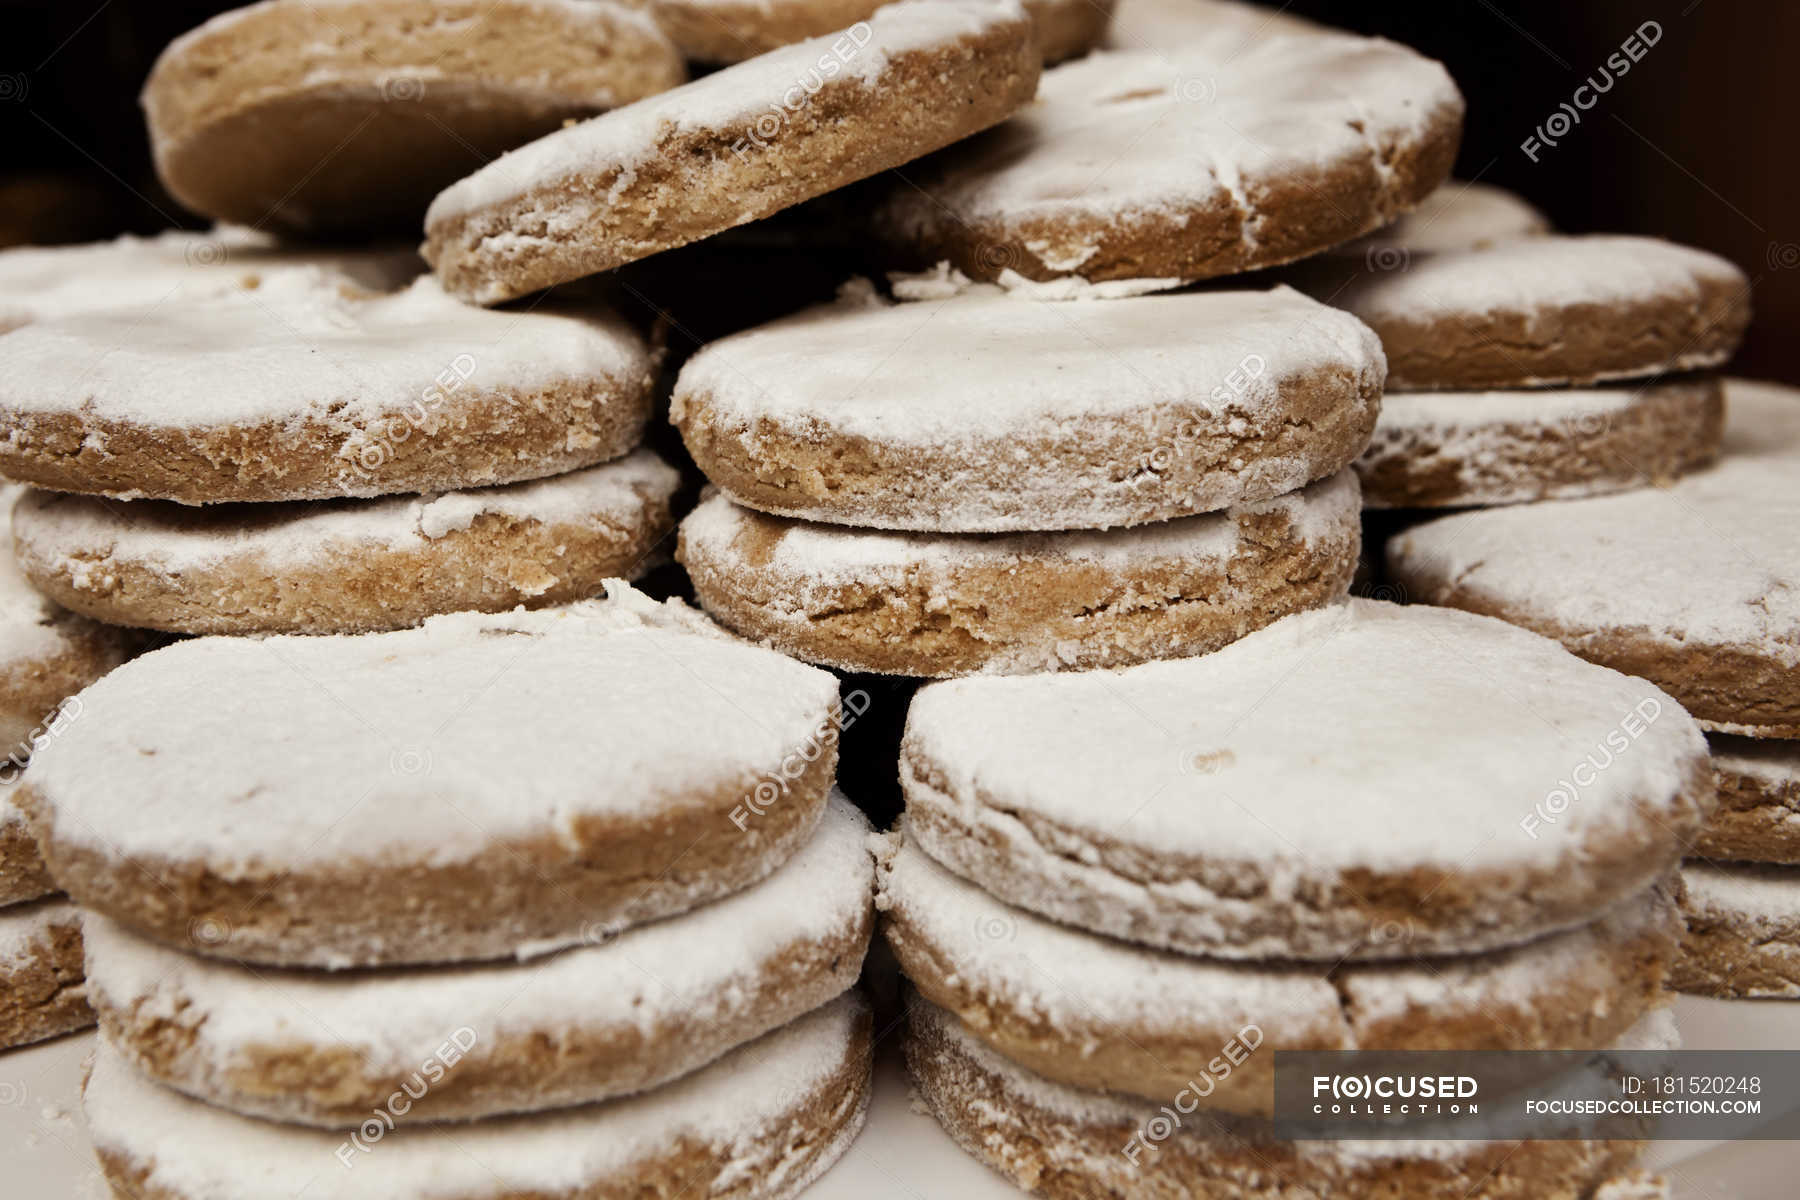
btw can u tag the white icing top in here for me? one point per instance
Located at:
(973, 370)
(944, 281)
(1765, 898)
(89, 534)
(1710, 559)
(736, 95)
(705, 965)
(25, 928)
(423, 746)
(26, 615)
(1450, 412)
(1326, 740)
(42, 283)
(303, 346)
(742, 1107)
(1457, 216)
(1771, 761)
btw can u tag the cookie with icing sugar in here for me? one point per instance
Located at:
(42, 283)
(1743, 931)
(762, 1123)
(1160, 24)
(733, 147)
(41, 993)
(1695, 586)
(1284, 797)
(1457, 449)
(1092, 1012)
(347, 566)
(1066, 1143)
(1758, 818)
(348, 116)
(955, 604)
(1458, 216)
(1540, 311)
(592, 1022)
(1207, 157)
(22, 873)
(307, 389)
(981, 412)
(342, 809)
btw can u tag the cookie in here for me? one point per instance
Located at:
(347, 117)
(1091, 1012)
(41, 994)
(620, 1016)
(43, 283)
(1455, 449)
(732, 147)
(760, 1124)
(1160, 24)
(22, 873)
(1539, 311)
(987, 413)
(1743, 931)
(1065, 1143)
(1758, 817)
(1692, 586)
(956, 604)
(480, 787)
(305, 390)
(1283, 797)
(346, 566)
(729, 31)
(1458, 216)
(1204, 158)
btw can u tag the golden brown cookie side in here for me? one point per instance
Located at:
(41, 992)
(1757, 820)
(1722, 957)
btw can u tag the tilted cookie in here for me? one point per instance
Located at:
(1695, 586)
(1063, 1143)
(481, 787)
(1454, 449)
(1743, 931)
(42, 283)
(1758, 817)
(346, 566)
(759, 1124)
(623, 1015)
(1284, 797)
(349, 115)
(733, 147)
(1458, 216)
(1542, 310)
(1092, 1012)
(1204, 158)
(305, 390)
(989, 413)
(955, 604)
(41, 994)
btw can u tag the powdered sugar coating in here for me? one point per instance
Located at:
(28, 620)
(1159, 24)
(1773, 762)
(1758, 901)
(26, 928)
(1458, 216)
(1243, 803)
(743, 1116)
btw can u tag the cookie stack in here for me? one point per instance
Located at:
(1692, 586)
(473, 872)
(1119, 893)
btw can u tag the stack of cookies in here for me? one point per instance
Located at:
(474, 872)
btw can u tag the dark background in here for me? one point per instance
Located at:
(1694, 144)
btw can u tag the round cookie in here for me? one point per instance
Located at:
(1458, 216)
(759, 1124)
(305, 389)
(955, 604)
(732, 147)
(1695, 586)
(1210, 157)
(43, 283)
(346, 566)
(1538, 311)
(1758, 817)
(987, 413)
(1067, 1144)
(1091, 1012)
(41, 995)
(621, 1016)
(349, 116)
(1743, 931)
(1284, 797)
(730, 31)
(1453, 449)
(480, 787)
